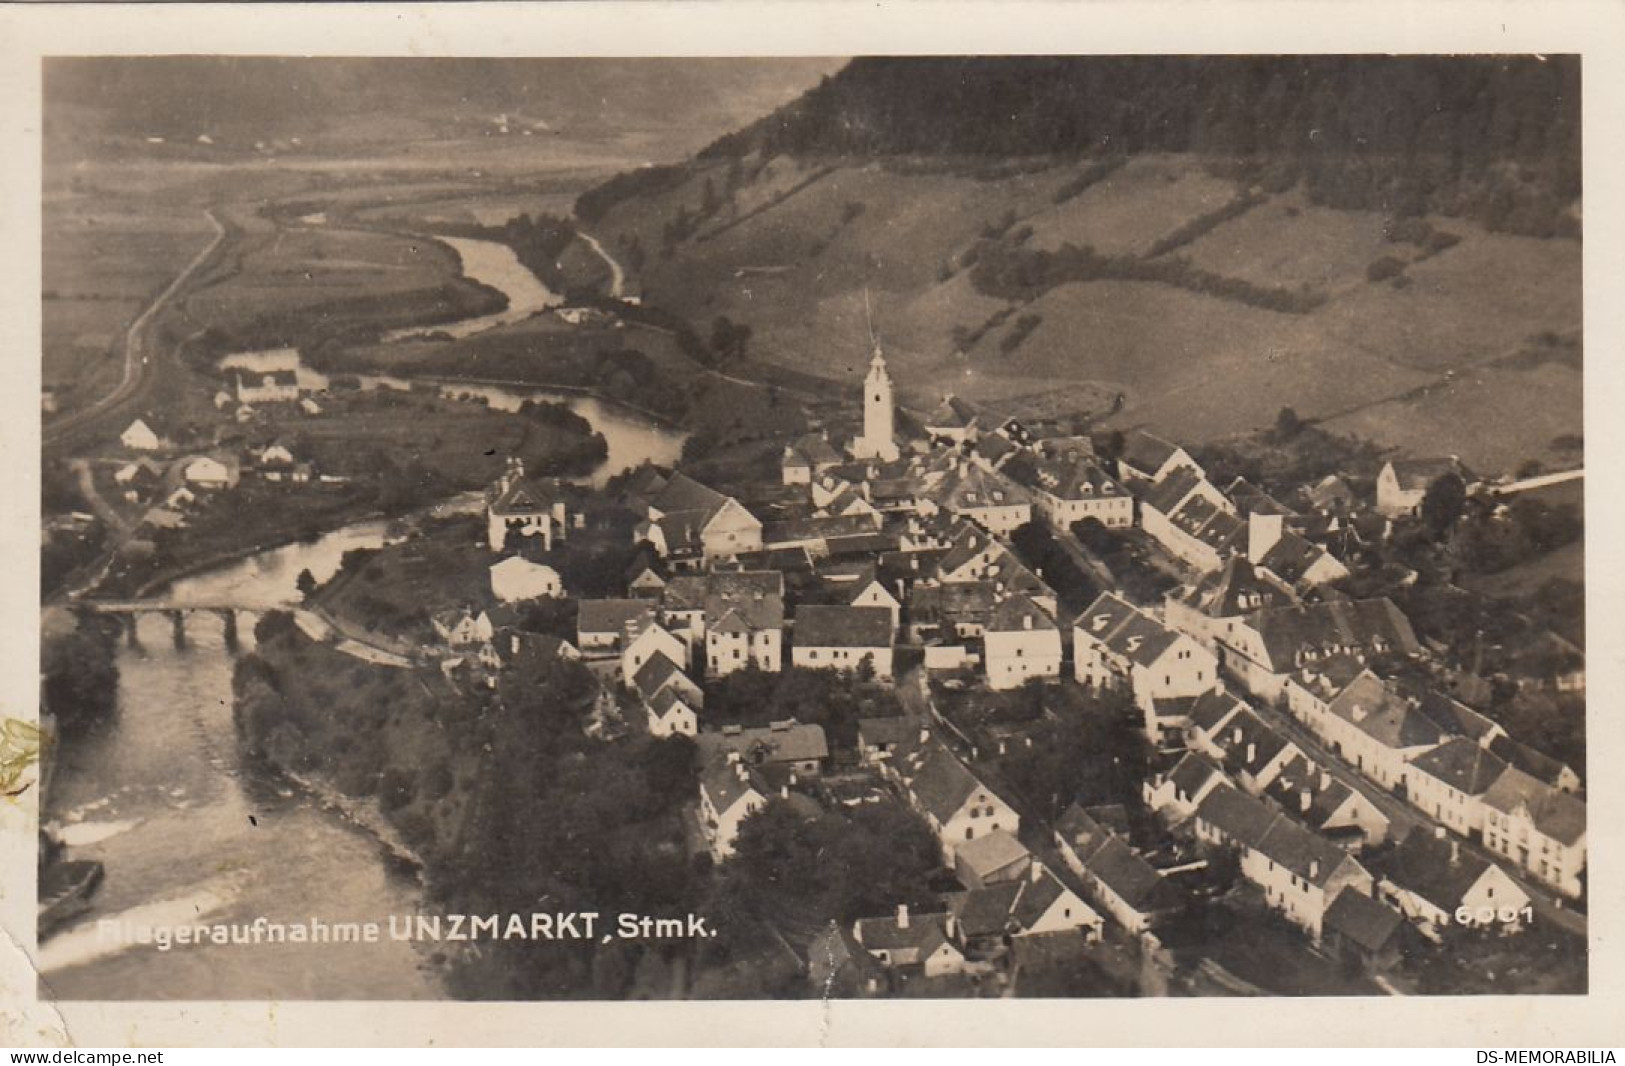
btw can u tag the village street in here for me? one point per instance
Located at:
(1546, 903)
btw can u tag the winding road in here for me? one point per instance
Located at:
(617, 275)
(137, 351)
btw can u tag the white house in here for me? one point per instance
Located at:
(957, 805)
(1448, 783)
(1116, 645)
(1376, 730)
(730, 792)
(644, 643)
(602, 625)
(270, 386)
(516, 578)
(690, 524)
(209, 472)
(1540, 828)
(1268, 647)
(1070, 488)
(138, 436)
(1430, 878)
(1021, 642)
(1403, 483)
(516, 503)
(1115, 877)
(742, 618)
(910, 940)
(671, 714)
(833, 637)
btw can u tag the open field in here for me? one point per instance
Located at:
(1373, 359)
(103, 263)
(1131, 208)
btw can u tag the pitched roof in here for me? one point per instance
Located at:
(1146, 451)
(663, 701)
(1017, 613)
(1459, 720)
(1379, 711)
(895, 729)
(521, 496)
(1166, 495)
(984, 911)
(1250, 499)
(991, 852)
(939, 782)
(1236, 815)
(818, 527)
(1331, 627)
(1363, 921)
(1213, 708)
(1434, 869)
(610, 616)
(1536, 764)
(1414, 474)
(655, 674)
(1462, 765)
(729, 782)
(753, 598)
(1076, 477)
(951, 413)
(683, 493)
(925, 933)
(1119, 868)
(834, 626)
(685, 592)
(1126, 631)
(1192, 773)
(812, 449)
(1303, 852)
(516, 564)
(1235, 589)
(971, 487)
(1556, 814)
(1291, 557)
(786, 741)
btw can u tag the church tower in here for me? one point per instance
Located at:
(879, 431)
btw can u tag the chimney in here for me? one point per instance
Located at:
(1237, 735)
(784, 792)
(1455, 852)
(1314, 869)
(902, 916)
(1304, 799)
(1325, 780)
(1026, 621)
(1252, 752)
(1036, 871)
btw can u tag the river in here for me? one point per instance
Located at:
(188, 832)
(496, 266)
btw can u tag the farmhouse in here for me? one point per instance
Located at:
(743, 620)
(958, 806)
(831, 637)
(271, 386)
(1403, 483)
(786, 744)
(1429, 878)
(1114, 876)
(909, 941)
(689, 524)
(730, 792)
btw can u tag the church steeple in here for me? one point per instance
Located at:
(879, 426)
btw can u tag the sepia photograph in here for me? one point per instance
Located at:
(856, 527)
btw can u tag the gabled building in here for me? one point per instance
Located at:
(661, 673)
(1331, 808)
(910, 940)
(1115, 645)
(517, 504)
(644, 640)
(1447, 783)
(744, 621)
(1429, 879)
(1275, 643)
(670, 713)
(1374, 728)
(990, 859)
(1115, 878)
(602, 625)
(956, 804)
(1220, 601)
(972, 492)
(808, 457)
(140, 437)
(1299, 871)
(1147, 458)
(1070, 487)
(986, 920)
(1021, 642)
(787, 745)
(690, 524)
(730, 792)
(1175, 795)
(270, 386)
(1364, 931)
(1403, 483)
(1539, 828)
(1245, 747)
(829, 637)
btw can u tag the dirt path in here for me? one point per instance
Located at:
(617, 276)
(137, 349)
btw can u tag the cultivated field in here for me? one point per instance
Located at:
(1128, 210)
